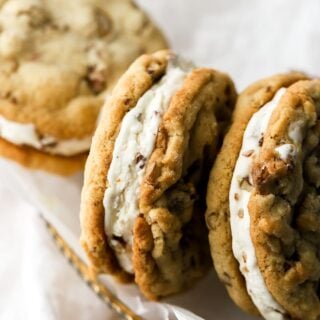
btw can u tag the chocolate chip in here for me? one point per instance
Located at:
(50, 144)
(104, 22)
(150, 72)
(244, 257)
(119, 239)
(236, 196)
(245, 183)
(96, 79)
(247, 153)
(140, 160)
(261, 141)
(241, 213)
(14, 100)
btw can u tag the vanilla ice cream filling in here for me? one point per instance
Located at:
(242, 245)
(132, 150)
(26, 134)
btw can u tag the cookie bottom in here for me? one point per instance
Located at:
(37, 160)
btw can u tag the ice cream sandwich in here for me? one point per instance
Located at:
(264, 202)
(143, 200)
(58, 60)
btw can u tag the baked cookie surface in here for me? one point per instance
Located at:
(58, 61)
(219, 195)
(285, 204)
(167, 241)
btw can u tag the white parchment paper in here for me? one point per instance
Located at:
(57, 199)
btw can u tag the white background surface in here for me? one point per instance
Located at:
(249, 39)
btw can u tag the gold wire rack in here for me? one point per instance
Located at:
(92, 281)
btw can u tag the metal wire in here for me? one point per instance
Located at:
(92, 281)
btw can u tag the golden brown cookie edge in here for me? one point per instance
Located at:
(37, 160)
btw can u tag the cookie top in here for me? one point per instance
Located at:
(218, 212)
(169, 246)
(139, 78)
(58, 59)
(284, 205)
